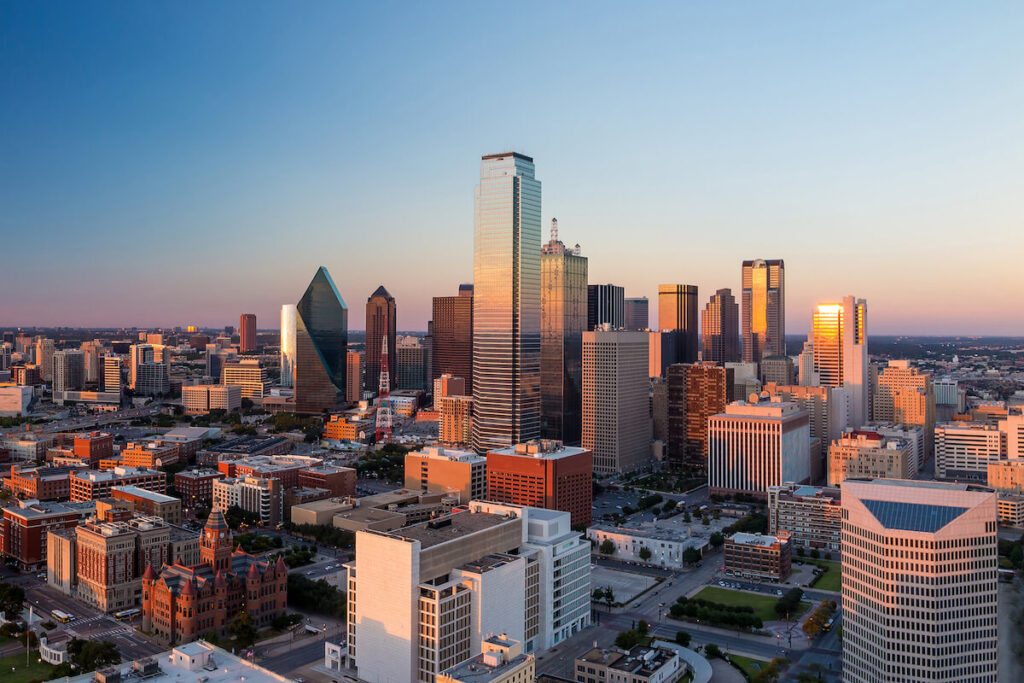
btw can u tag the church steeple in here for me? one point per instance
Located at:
(215, 543)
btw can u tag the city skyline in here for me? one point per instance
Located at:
(831, 153)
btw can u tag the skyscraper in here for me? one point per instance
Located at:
(68, 370)
(677, 311)
(764, 309)
(247, 333)
(605, 304)
(905, 395)
(636, 313)
(44, 358)
(919, 566)
(563, 306)
(381, 317)
(839, 334)
(354, 376)
(506, 303)
(321, 341)
(453, 336)
(287, 345)
(695, 393)
(720, 328)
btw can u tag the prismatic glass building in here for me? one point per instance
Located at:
(287, 345)
(506, 303)
(563, 305)
(720, 328)
(764, 309)
(321, 341)
(677, 311)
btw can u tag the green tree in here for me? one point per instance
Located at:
(609, 597)
(800, 552)
(705, 521)
(607, 547)
(815, 553)
(643, 627)
(717, 540)
(12, 600)
(711, 651)
(1017, 556)
(691, 556)
(687, 518)
(242, 628)
(627, 640)
(645, 553)
(90, 655)
(682, 638)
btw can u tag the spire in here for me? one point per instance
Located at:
(189, 588)
(281, 566)
(254, 572)
(381, 292)
(554, 229)
(149, 574)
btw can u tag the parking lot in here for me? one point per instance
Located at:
(612, 502)
(625, 585)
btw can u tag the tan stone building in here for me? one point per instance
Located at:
(438, 470)
(868, 454)
(905, 395)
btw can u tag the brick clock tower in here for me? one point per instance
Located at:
(215, 544)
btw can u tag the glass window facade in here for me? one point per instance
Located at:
(321, 345)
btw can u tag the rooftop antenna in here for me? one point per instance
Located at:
(554, 229)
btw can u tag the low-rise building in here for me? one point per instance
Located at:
(200, 399)
(94, 446)
(167, 508)
(1010, 509)
(26, 446)
(39, 482)
(501, 661)
(811, 515)
(640, 664)
(243, 447)
(757, 556)
(666, 546)
(346, 428)
(149, 454)
(25, 525)
(262, 497)
(195, 486)
(339, 481)
(436, 469)
(89, 485)
(862, 453)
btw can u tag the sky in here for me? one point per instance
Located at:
(175, 163)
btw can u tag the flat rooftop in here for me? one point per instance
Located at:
(438, 531)
(143, 493)
(754, 539)
(542, 449)
(477, 670)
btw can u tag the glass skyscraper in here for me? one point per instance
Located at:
(506, 303)
(677, 311)
(321, 345)
(287, 345)
(381, 314)
(563, 305)
(764, 309)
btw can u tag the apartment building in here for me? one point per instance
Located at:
(39, 482)
(810, 515)
(25, 525)
(195, 486)
(963, 450)
(94, 446)
(447, 470)
(260, 496)
(455, 425)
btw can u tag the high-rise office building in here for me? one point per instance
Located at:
(778, 369)
(249, 374)
(148, 376)
(695, 393)
(563, 318)
(616, 420)
(637, 313)
(828, 409)
(321, 341)
(111, 378)
(68, 370)
(287, 345)
(606, 304)
(677, 311)
(904, 395)
(839, 333)
(381, 319)
(453, 336)
(247, 333)
(661, 351)
(354, 376)
(764, 309)
(919, 582)
(506, 303)
(91, 358)
(44, 358)
(411, 365)
(720, 328)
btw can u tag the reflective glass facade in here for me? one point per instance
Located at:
(321, 341)
(563, 298)
(764, 309)
(677, 311)
(720, 331)
(453, 336)
(287, 345)
(506, 303)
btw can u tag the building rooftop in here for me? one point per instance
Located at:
(754, 539)
(487, 563)
(276, 463)
(545, 449)
(444, 529)
(199, 473)
(114, 474)
(641, 660)
(244, 445)
(450, 454)
(34, 509)
(143, 493)
(190, 433)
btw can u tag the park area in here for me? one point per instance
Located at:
(625, 585)
(15, 670)
(763, 605)
(831, 580)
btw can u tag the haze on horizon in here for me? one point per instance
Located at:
(168, 164)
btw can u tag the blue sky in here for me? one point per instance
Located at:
(176, 163)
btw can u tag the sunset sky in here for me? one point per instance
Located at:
(181, 163)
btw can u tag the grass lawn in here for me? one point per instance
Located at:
(749, 666)
(35, 671)
(831, 580)
(764, 605)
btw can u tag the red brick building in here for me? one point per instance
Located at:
(180, 604)
(93, 447)
(340, 481)
(93, 484)
(195, 487)
(543, 474)
(40, 483)
(284, 468)
(23, 531)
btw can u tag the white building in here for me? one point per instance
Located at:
(1012, 427)
(202, 398)
(616, 419)
(666, 546)
(919, 581)
(754, 446)
(424, 597)
(248, 374)
(839, 351)
(14, 400)
(963, 450)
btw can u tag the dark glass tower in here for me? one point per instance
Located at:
(720, 329)
(606, 304)
(321, 344)
(677, 311)
(380, 323)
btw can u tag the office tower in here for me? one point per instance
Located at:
(720, 328)
(864, 453)
(695, 393)
(964, 450)
(411, 364)
(543, 474)
(839, 333)
(828, 409)
(616, 421)
(1012, 427)
(636, 314)
(805, 374)
(605, 304)
(381, 317)
(919, 566)
(247, 333)
(754, 446)
(287, 345)
(434, 469)
(111, 378)
(68, 370)
(745, 381)
(659, 410)
(249, 374)
(764, 309)
(44, 358)
(677, 311)
(137, 355)
(216, 357)
(455, 424)
(91, 358)
(354, 376)
(422, 598)
(563, 318)
(446, 385)
(147, 375)
(506, 303)
(777, 369)
(904, 395)
(5, 355)
(661, 351)
(199, 341)
(453, 336)
(321, 341)
(199, 399)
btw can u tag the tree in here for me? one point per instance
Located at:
(609, 597)
(815, 553)
(717, 514)
(682, 638)
(687, 517)
(315, 596)
(691, 556)
(717, 540)
(705, 521)
(90, 655)
(645, 553)
(711, 651)
(643, 627)
(1017, 556)
(241, 627)
(627, 639)
(597, 595)
(12, 600)
(607, 547)
(788, 603)
(800, 552)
